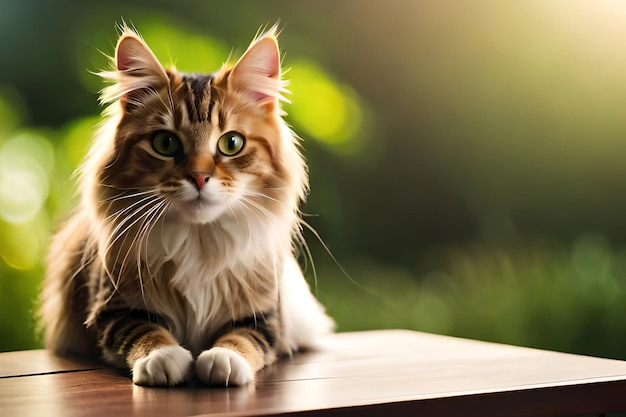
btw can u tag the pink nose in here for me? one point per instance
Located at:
(200, 179)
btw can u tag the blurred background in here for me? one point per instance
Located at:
(467, 159)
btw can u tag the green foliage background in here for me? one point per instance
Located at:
(466, 158)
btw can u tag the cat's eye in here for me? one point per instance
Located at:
(166, 143)
(231, 143)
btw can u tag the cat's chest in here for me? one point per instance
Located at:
(201, 280)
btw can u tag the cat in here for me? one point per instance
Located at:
(178, 263)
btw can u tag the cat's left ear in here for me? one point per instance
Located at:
(257, 73)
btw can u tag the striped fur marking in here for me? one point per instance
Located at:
(200, 99)
(126, 336)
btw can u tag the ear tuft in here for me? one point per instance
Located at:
(136, 69)
(258, 72)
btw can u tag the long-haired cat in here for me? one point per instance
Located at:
(179, 259)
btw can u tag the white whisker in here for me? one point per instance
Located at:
(117, 214)
(247, 202)
(144, 232)
(125, 196)
(253, 194)
(121, 228)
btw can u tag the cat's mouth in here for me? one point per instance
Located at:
(200, 203)
(199, 209)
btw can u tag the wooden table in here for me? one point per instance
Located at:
(387, 372)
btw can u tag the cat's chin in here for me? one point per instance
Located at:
(196, 212)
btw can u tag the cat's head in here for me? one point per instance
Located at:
(195, 147)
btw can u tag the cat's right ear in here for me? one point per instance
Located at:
(132, 54)
(138, 71)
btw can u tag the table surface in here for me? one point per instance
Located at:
(387, 372)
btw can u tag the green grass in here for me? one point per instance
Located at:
(546, 296)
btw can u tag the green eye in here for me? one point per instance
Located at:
(166, 143)
(231, 143)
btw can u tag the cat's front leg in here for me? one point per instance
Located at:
(236, 356)
(147, 348)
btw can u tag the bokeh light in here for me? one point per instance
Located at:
(25, 163)
(323, 109)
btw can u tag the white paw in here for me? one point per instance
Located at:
(224, 367)
(166, 366)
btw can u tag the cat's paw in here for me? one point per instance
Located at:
(223, 367)
(165, 366)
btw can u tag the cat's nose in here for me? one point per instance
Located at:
(199, 179)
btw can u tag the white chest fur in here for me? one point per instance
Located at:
(203, 276)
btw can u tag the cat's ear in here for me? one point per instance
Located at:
(257, 73)
(132, 54)
(138, 71)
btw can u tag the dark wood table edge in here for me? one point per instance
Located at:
(587, 398)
